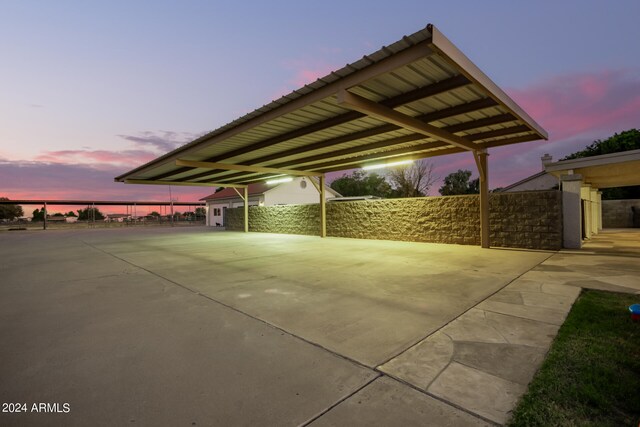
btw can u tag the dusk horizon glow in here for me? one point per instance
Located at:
(92, 91)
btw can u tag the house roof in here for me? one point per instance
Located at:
(255, 189)
(229, 193)
(522, 181)
(418, 97)
(603, 171)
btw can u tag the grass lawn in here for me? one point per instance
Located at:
(591, 376)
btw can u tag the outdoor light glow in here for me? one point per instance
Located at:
(387, 165)
(279, 180)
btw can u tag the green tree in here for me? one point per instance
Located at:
(414, 180)
(38, 215)
(90, 214)
(154, 213)
(458, 183)
(71, 213)
(200, 212)
(623, 141)
(10, 212)
(360, 183)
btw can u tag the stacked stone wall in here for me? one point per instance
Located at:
(520, 220)
(618, 213)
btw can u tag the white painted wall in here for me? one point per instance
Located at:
(216, 219)
(288, 193)
(213, 219)
(571, 211)
(543, 182)
(294, 193)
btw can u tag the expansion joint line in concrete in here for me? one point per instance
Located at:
(339, 401)
(424, 391)
(419, 340)
(193, 291)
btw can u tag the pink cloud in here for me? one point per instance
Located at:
(573, 104)
(303, 72)
(98, 157)
(575, 109)
(308, 75)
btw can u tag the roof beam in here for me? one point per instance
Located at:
(389, 115)
(447, 50)
(418, 151)
(389, 143)
(243, 168)
(193, 184)
(429, 117)
(356, 162)
(411, 54)
(239, 194)
(396, 101)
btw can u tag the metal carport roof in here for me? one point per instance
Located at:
(417, 98)
(603, 171)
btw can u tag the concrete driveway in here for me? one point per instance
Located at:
(196, 327)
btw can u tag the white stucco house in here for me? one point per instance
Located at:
(299, 191)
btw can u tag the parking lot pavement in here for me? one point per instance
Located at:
(167, 327)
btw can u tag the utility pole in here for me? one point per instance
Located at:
(171, 201)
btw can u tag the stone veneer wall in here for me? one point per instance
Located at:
(286, 219)
(618, 213)
(520, 220)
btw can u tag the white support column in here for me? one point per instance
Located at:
(585, 195)
(323, 208)
(571, 211)
(246, 209)
(599, 211)
(595, 207)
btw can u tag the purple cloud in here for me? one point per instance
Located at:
(163, 141)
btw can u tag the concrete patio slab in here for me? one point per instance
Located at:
(126, 347)
(541, 314)
(187, 326)
(483, 360)
(386, 402)
(347, 295)
(484, 394)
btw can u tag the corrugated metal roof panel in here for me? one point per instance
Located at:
(315, 129)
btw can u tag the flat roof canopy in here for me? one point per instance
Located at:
(604, 171)
(417, 98)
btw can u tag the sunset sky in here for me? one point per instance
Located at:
(89, 90)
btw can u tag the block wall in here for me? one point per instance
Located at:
(519, 220)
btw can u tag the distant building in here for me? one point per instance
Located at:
(56, 218)
(117, 217)
(299, 191)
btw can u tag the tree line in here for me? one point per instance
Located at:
(407, 181)
(414, 180)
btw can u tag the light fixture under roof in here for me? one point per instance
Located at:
(387, 165)
(279, 180)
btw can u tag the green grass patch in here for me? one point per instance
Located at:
(591, 376)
